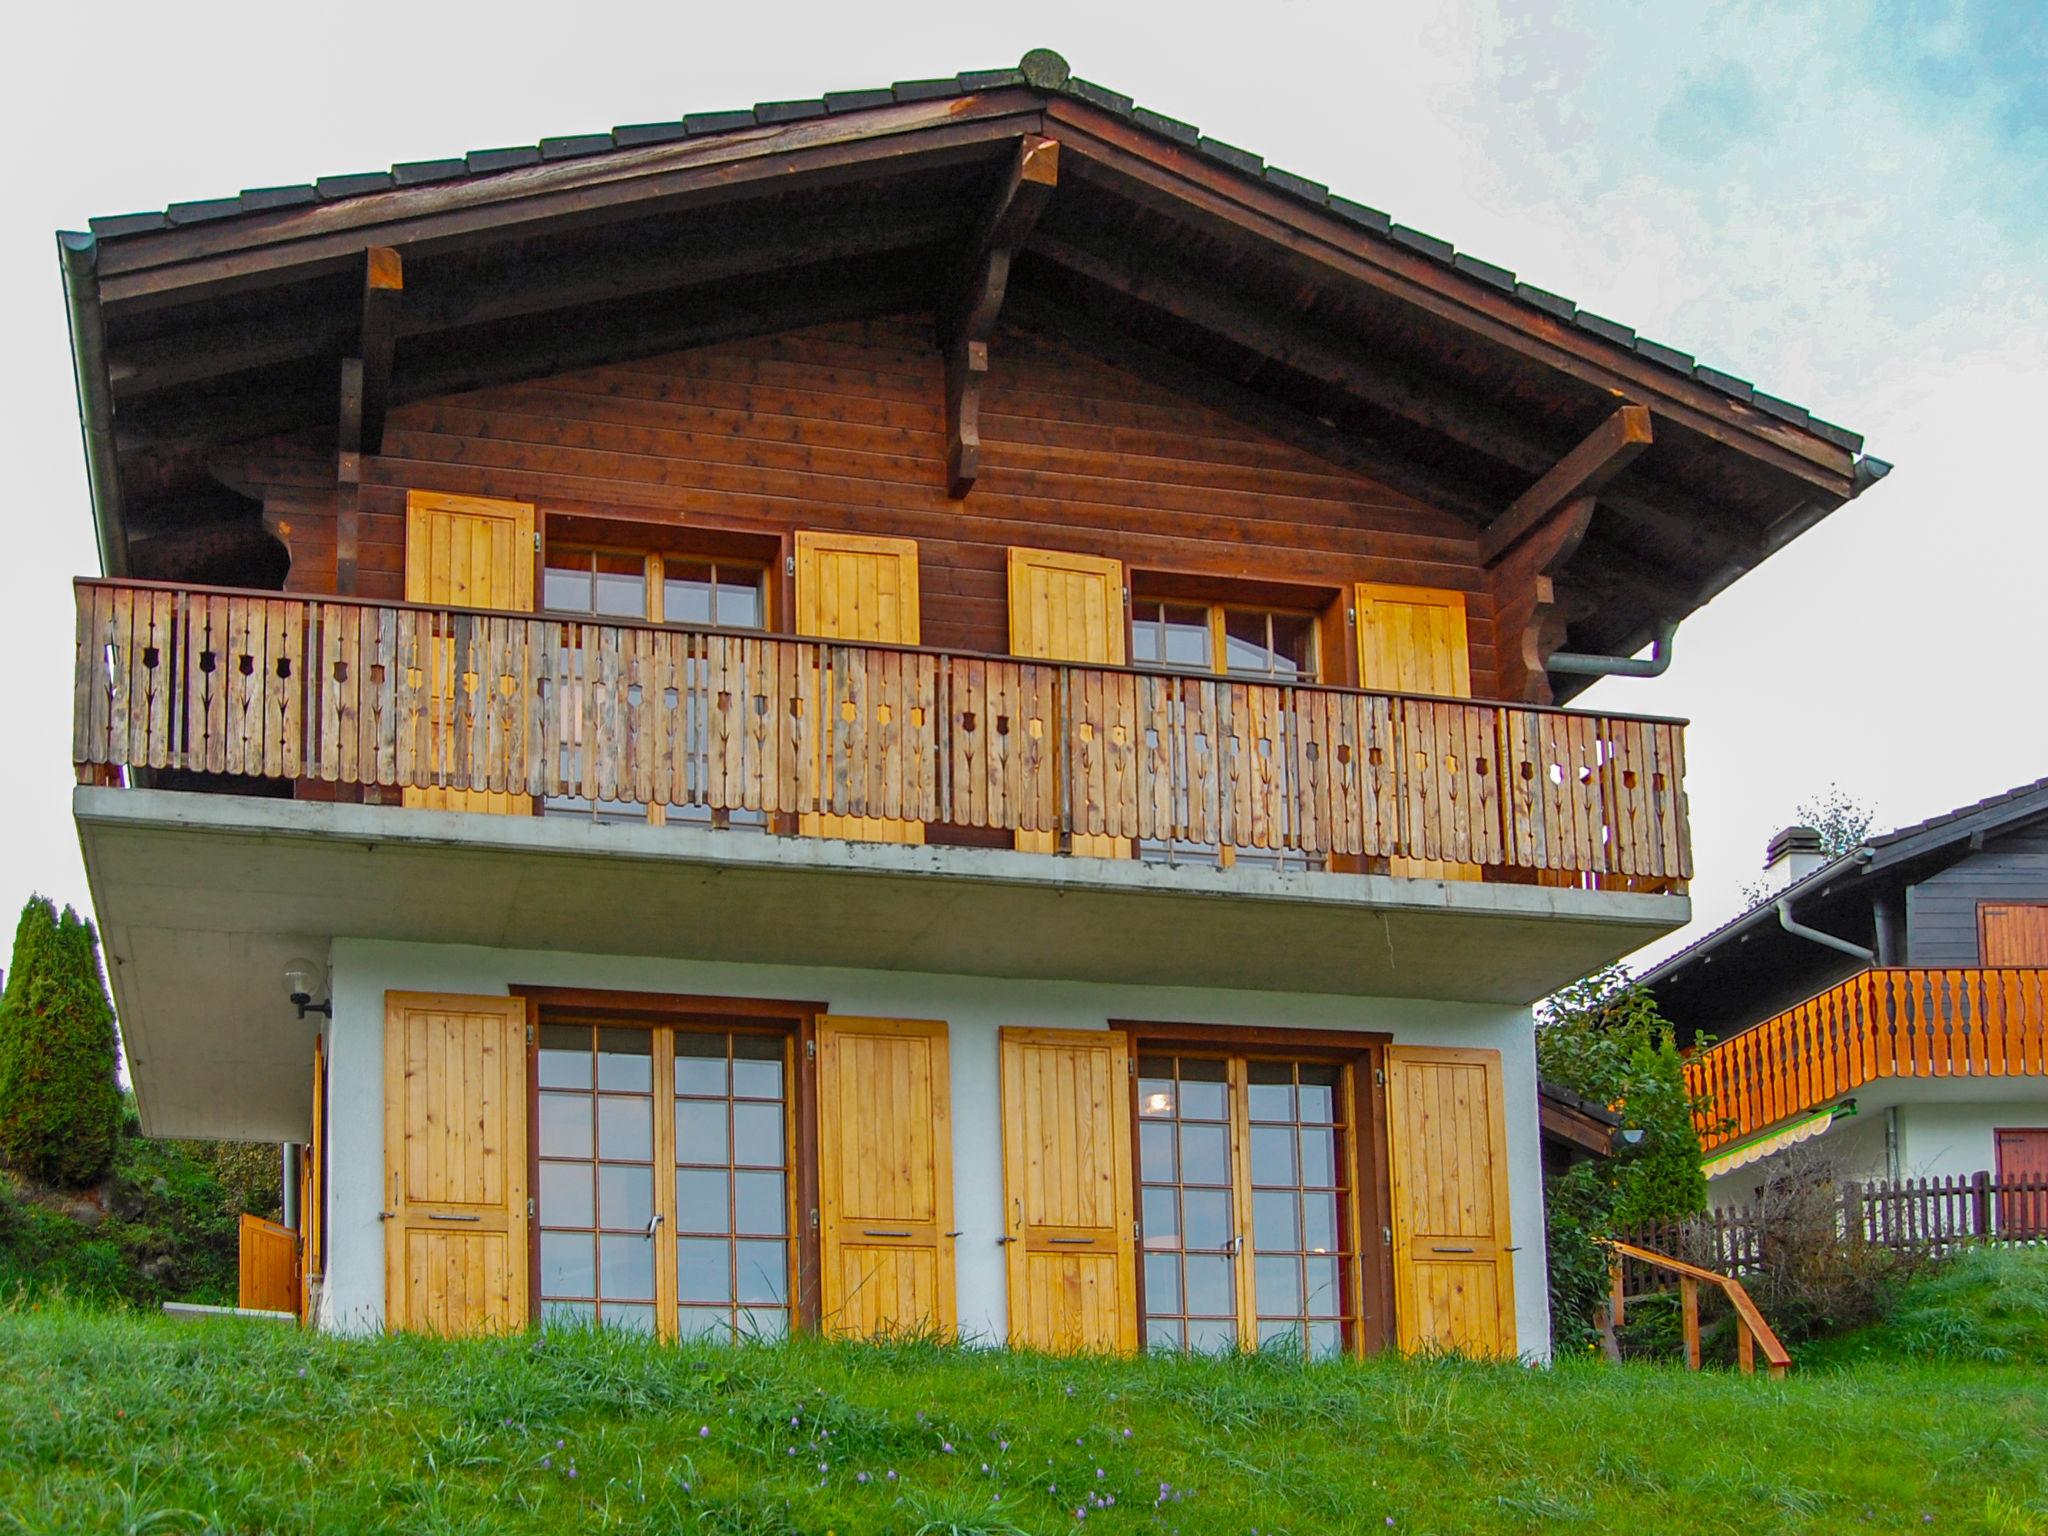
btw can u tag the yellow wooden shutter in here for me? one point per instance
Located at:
(1413, 640)
(1068, 608)
(467, 552)
(455, 1256)
(885, 1177)
(1454, 1269)
(2013, 934)
(1067, 1191)
(852, 587)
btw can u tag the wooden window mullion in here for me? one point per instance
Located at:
(1241, 1201)
(665, 1182)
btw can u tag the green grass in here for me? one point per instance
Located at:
(126, 1422)
(1988, 1306)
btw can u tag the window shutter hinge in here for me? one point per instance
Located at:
(1351, 617)
(1379, 1077)
(536, 541)
(789, 565)
(810, 1050)
(1387, 1236)
(529, 1034)
(529, 1208)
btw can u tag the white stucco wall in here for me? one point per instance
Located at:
(1938, 1140)
(974, 1009)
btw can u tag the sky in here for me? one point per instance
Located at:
(1845, 201)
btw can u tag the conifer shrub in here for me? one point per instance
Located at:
(60, 1104)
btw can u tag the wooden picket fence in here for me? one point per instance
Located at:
(1926, 1216)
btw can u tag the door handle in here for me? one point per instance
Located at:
(453, 1216)
(1070, 1240)
(653, 1222)
(1440, 1248)
(871, 1232)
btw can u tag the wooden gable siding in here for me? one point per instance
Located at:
(1941, 911)
(840, 426)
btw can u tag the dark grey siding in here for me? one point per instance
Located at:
(1941, 911)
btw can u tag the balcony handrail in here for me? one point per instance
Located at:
(431, 696)
(1898, 1021)
(949, 653)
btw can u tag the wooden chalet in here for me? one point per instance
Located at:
(941, 706)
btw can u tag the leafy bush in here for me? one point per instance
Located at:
(60, 1105)
(1604, 1040)
(1984, 1306)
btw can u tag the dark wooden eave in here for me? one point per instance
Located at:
(1322, 320)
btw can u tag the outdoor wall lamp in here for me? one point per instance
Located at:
(300, 979)
(1630, 1136)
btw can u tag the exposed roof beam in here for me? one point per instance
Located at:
(383, 289)
(973, 299)
(1604, 453)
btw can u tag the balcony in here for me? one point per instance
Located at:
(1882, 1024)
(392, 696)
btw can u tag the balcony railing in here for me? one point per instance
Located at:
(405, 695)
(1885, 1022)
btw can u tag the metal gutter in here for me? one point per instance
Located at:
(1801, 931)
(78, 254)
(1580, 665)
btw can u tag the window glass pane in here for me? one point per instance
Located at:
(1204, 1154)
(1207, 1214)
(568, 1264)
(700, 1132)
(1202, 1092)
(626, 1267)
(1318, 1158)
(1147, 646)
(757, 1066)
(564, 1125)
(628, 1319)
(757, 1135)
(763, 1325)
(703, 1200)
(1211, 1287)
(1325, 1299)
(1186, 638)
(565, 584)
(564, 1056)
(703, 1269)
(1155, 1086)
(1319, 1223)
(625, 1196)
(1155, 1144)
(739, 597)
(1273, 1220)
(763, 1271)
(625, 1128)
(1279, 1335)
(1271, 1095)
(1325, 1341)
(621, 586)
(685, 592)
(1162, 1223)
(703, 1323)
(1294, 646)
(1244, 642)
(761, 1203)
(1279, 1286)
(1272, 1155)
(568, 1314)
(700, 1064)
(1318, 1093)
(1212, 1335)
(625, 1059)
(1164, 1333)
(1162, 1283)
(565, 1195)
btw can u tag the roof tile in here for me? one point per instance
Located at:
(576, 146)
(416, 173)
(108, 226)
(259, 199)
(201, 212)
(1230, 154)
(1727, 383)
(925, 90)
(1610, 330)
(855, 101)
(482, 162)
(1784, 410)
(1485, 271)
(716, 122)
(633, 134)
(354, 184)
(1556, 303)
(1300, 186)
(1429, 245)
(1358, 213)
(990, 79)
(1170, 127)
(1670, 357)
(788, 111)
(1102, 96)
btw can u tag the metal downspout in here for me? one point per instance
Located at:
(1801, 931)
(78, 255)
(1620, 666)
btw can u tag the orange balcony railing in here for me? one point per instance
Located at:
(1885, 1022)
(403, 695)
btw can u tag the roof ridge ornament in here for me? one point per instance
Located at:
(1045, 70)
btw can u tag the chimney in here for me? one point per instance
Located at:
(1792, 855)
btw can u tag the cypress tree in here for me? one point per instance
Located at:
(60, 1104)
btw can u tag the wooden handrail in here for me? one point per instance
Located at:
(1883, 1022)
(402, 695)
(1752, 1332)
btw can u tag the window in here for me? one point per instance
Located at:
(663, 1197)
(590, 582)
(1265, 644)
(1244, 1168)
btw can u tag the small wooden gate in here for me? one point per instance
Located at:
(270, 1266)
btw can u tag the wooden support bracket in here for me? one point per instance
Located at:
(973, 299)
(365, 398)
(1606, 451)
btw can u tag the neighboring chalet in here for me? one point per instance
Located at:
(936, 707)
(1890, 1005)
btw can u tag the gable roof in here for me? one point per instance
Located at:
(1380, 348)
(1041, 69)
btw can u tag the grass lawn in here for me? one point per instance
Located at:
(126, 1422)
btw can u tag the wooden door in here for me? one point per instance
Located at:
(313, 1187)
(1067, 1191)
(467, 552)
(2023, 1160)
(1068, 608)
(455, 1252)
(1454, 1276)
(885, 1178)
(849, 587)
(269, 1266)
(1414, 640)
(2012, 934)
